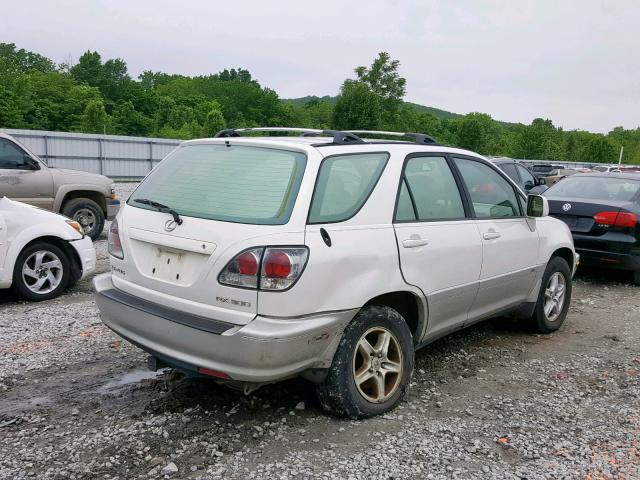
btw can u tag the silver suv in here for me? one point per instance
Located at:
(254, 259)
(88, 198)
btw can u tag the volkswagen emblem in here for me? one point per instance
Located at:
(566, 207)
(170, 225)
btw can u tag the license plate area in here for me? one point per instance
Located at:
(168, 265)
(570, 220)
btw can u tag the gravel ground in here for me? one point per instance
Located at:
(492, 401)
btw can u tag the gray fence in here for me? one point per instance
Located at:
(115, 156)
(121, 157)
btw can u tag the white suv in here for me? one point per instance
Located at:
(253, 259)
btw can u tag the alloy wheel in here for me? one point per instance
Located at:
(42, 272)
(554, 296)
(377, 365)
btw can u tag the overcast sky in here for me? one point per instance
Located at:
(575, 62)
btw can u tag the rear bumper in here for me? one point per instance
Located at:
(113, 206)
(264, 350)
(605, 259)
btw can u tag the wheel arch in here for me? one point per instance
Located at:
(94, 195)
(566, 254)
(409, 305)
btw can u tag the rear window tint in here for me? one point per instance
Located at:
(235, 184)
(597, 188)
(344, 183)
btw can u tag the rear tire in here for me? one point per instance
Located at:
(88, 214)
(636, 277)
(372, 367)
(554, 297)
(42, 272)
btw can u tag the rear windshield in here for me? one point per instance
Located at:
(234, 184)
(597, 188)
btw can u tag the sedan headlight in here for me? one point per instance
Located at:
(76, 226)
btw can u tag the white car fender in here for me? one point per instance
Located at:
(22, 225)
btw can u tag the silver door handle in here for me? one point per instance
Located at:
(414, 242)
(490, 235)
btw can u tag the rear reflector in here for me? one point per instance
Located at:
(213, 373)
(617, 219)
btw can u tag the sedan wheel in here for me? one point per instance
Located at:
(42, 272)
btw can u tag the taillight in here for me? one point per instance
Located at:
(114, 245)
(616, 219)
(281, 267)
(242, 271)
(265, 268)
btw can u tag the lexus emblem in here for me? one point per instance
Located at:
(170, 225)
(566, 207)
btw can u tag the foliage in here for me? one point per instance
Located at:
(357, 107)
(96, 95)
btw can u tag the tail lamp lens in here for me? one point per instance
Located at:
(265, 268)
(114, 245)
(617, 219)
(242, 271)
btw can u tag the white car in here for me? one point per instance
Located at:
(254, 259)
(41, 253)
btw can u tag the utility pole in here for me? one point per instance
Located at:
(620, 159)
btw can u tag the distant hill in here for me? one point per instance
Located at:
(442, 114)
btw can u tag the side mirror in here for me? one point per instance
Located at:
(537, 206)
(528, 185)
(539, 181)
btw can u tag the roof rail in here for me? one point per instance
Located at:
(416, 137)
(339, 137)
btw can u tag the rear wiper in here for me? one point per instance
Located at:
(161, 208)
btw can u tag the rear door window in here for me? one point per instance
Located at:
(229, 183)
(492, 196)
(343, 185)
(428, 191)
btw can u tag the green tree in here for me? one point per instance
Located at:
(598, 149)
(357, 107)
(383, 79)
(128, 121)
(214, 121)
(478, 132)
(95, 118)
(14, 61)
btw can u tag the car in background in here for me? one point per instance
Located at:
(87, 198)
(556, 175)
(542, 170)
(41, 253)
(602, 211)
(606, 168)
(518, 173)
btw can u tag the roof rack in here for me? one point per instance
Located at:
(340, 138)
(416, 137)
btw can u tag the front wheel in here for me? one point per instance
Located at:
(42, 271)
(88, 214)
(372, 367)
(554, 297)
